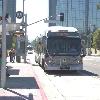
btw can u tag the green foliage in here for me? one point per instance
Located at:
(96, 39)
(84, 37)
(98, 6)
(33, 43)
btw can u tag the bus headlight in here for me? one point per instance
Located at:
(49, 61)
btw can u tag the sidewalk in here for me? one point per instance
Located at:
(22, 84)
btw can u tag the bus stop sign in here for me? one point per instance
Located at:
(19, 14)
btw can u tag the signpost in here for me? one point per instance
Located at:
(19, 15)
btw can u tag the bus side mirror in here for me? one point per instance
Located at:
(83, 55)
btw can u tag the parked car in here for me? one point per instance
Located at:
(30, 52)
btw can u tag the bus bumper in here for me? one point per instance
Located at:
(67, 67)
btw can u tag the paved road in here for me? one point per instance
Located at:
(71, 86)
(83, 85)
(92, 64)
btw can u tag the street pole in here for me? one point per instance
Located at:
(3, 66)
(18, 57)
(67, 13)
(25, 36)
(23, 11)
(24, 15)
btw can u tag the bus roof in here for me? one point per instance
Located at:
(61, 28)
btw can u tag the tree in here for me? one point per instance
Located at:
(98, 6)
(33, 43)
(96, 39)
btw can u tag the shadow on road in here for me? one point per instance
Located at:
(13, 72)
(11, 98)
(17, 97)
(71, 73)
(88, 73)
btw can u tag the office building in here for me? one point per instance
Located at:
(11, 9)
(82, 14)
(11, 5)
(0, 7)
(52, 11)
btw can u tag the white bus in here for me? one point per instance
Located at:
(60, 49)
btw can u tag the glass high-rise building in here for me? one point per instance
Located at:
(52, 11)
(11, 9)
(82, 14)
(0, 7)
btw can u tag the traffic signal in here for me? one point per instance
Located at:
(0, 18)
(61, 16)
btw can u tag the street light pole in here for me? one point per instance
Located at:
(25, 36)
(18, 42)
(24, 20)
(23, 10)
(3, 66)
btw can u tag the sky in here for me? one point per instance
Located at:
(35, 10)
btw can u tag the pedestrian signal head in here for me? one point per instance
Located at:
(61, 16)
(0, 18)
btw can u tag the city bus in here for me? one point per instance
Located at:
(60, 48)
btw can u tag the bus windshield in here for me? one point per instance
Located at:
(64, 45)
